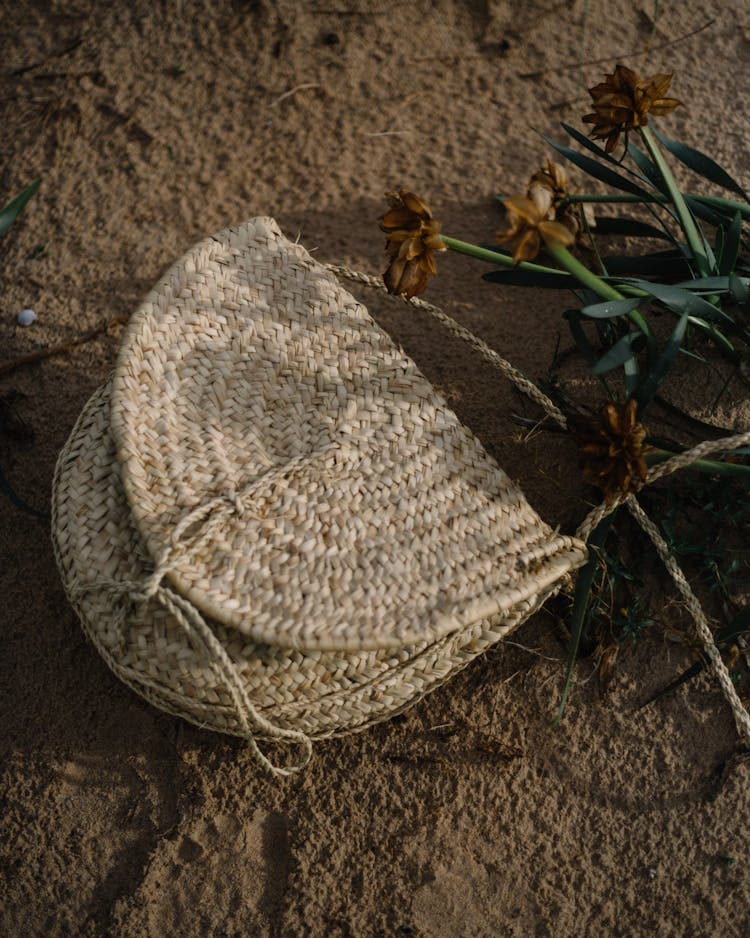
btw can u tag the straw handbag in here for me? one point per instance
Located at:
(270, 523)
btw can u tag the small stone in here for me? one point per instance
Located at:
(26, 317)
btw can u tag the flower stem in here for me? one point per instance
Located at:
(495, 257)
(571, 265)
(619, 197)
(712, 466)
(689, 227)
(590, 280)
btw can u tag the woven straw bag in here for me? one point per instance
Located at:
(270, 523)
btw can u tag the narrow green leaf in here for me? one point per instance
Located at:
(582, 603)
(707, 284)
(609, 309)
(663, 264)
(702, 164)
(653, 381)
(632, 373)
(624, 349)
(647, 168)
(731, 248)
(713, 215)
(683, 678)
(738, 626)
(611, 225)
(13, 209)
(592, 168)
(739, 287)
(683, 301)
(718, 338)
(588, 143)
(579, 336)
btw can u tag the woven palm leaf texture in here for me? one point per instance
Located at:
(269, 522)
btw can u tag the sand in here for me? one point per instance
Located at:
(153, 125)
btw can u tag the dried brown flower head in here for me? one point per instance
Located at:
(529, 224)
(412, 238)
(548, 189)
(552, 179)
(623, 102)
(611, 448)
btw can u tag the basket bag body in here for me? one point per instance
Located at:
(269, 522)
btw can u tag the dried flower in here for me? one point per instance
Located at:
(611, 448)
(548, 189)
(552, 179)
(623, 101)
(412, 238)
(529, 225)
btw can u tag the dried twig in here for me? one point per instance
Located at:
(40, 354)
(287, 94)
(632, 54)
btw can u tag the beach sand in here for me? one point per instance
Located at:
(153, 125)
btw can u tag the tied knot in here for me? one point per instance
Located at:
(236, 502)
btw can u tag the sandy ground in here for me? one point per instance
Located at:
(155, 124)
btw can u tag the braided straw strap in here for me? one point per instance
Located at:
(603, 510)
(205, 672)
(293, 475)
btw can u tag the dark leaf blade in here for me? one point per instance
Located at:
(610, 309)
(718, 338)
(702, 164)
(655, 378)
(713, 216)
(588, 143)
(632, 373)
(597, 171)
(738, 626)
(663, 264)
(581, 612)
(611, 225)
(683, 301)
(14, 208)
(623, 350)
(707, 284)
(580, 338)
(683, 678)
(739, 287)
(648, 168)
(731, 248)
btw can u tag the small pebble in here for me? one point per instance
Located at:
(26, 317)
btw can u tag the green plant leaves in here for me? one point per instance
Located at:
(622, 351)
(731, 247)
(666, 265)
(592, 168)
(702, 164)
(582, 603)
(579, 336)
(682, 301)
(648, 168)
(612, 225)
(655, 378)
(13, 209)
(611, 308)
